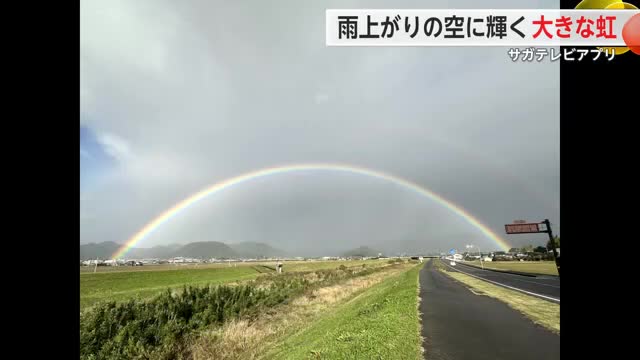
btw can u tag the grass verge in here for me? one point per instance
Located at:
(541, 312)
(380, 323)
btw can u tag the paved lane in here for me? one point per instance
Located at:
(544, 285)
(458, 325)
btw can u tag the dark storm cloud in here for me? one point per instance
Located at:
(190, 93)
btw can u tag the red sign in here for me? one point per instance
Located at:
(525, 228)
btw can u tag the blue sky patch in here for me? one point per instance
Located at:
(94, 161)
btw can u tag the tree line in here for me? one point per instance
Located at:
(538, 249)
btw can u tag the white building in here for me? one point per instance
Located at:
(93, 262)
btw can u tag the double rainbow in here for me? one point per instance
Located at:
(176, 209)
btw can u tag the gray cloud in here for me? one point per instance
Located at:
(196, 92)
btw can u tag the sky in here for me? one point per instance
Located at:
(176, 96)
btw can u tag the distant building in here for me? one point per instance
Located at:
(93, 262)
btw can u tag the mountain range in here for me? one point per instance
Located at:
(249, 250)
(202, 250)
(364, 251)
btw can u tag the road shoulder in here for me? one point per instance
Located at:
(458, 324)
(542, 312)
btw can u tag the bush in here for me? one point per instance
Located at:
(160, 328)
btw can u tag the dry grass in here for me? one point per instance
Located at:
(242, 339)
(378, 323)
(541, 312)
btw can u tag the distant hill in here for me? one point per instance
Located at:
(409, 247)
(202, 250)
(256, 250)
(106, 249)
(102, 250)
(206, 250)
(362, 251)
(159, 252)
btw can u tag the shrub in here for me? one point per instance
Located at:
(160, 328)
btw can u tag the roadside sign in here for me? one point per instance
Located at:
(519, 227)
(452, 251)
(526, 228)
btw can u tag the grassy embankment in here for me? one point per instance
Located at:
(170, 325)
(379, 323)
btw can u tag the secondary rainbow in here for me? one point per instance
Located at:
(173, 211)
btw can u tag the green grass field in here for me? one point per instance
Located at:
(533, 267)
(125, 282)
(380, 323)
(125, 285)
(157, 267)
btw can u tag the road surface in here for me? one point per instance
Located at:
(547, 286)
(459, 325)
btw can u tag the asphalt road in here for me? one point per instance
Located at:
(548, 286)
(459, 325)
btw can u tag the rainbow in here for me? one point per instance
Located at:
(228, 183)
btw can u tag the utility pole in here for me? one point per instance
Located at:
(553, 244)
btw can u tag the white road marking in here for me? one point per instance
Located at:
(507, 286)
(514, 277)
(475, 293)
